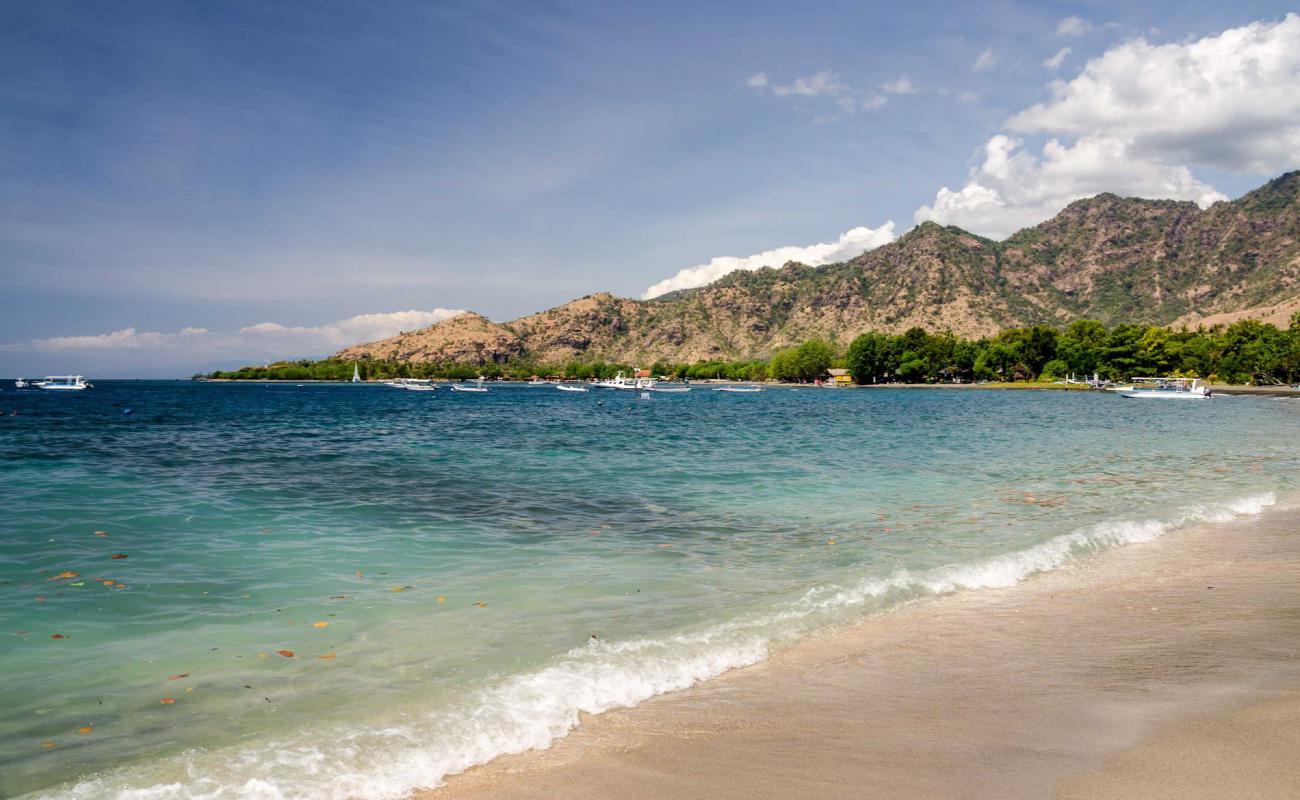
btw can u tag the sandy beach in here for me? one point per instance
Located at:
(1165, 669)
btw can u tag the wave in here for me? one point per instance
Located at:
(533, 710)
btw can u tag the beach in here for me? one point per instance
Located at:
(1168, 668)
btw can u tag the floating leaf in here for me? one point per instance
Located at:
(179, 677)
(442, 598)
(85, 729)
(320, 625)
(48, 745)
(339, 597)
(481, 604)
(830, 541)
(285, 653)
(78, 583)
(108, 582)
(263, 655)
(101, 533)
(168, 701)
(118, 556)
(64, 576)
(399, 588)
(57, 636)
(327, 657)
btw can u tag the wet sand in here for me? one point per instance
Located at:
(1166, 669)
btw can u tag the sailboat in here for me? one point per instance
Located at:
(356, 373)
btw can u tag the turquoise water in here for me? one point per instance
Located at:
(489, 565)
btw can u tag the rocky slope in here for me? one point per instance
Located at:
(1108, 258)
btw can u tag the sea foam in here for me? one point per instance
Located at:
(534, 709)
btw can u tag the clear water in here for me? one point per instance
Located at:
(464, 549)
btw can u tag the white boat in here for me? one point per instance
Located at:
(618, 382)
(62, 383)
(1168, 389)
(356, 373)
(570, 387)
(739, 389)
(20, 384)
(538, 382)
(412, 384)
(476, 387)
(672, 388)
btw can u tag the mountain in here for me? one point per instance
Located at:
(1108, 258)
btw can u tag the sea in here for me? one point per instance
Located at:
(273, 590)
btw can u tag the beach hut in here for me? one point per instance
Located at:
(840, 377)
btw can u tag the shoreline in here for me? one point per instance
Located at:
(1076, 683)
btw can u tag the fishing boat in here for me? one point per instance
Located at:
(738, 389)
(618, 382)
(62, 383)
(1168, 389)
(570, 387)
(475, 386)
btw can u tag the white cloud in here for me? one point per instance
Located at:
(757, 80)
(1014, 189)
(903, 85)
(1073, 26)
(1055, 61)
(850, 244)
(1230, 101)
(1134, 121)
(265, 340)
(985, 61)
(815, 85)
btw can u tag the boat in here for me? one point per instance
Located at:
(356, 373)
(20, 384)
(672, 388)
(538, 382)
(1168, 389)
(618, 382)
(739, 389)
(570, 387)
(62, 383)
(412, 384)
(478, 386)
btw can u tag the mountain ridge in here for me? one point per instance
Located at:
(1105, 257)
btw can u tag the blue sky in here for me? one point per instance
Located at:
(211, 166)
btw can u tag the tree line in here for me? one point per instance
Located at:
(1245, 352)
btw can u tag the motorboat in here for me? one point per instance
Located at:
(412, 384)
(475, 386)
(671, 388)
(570, 387)
(62, 383)
(21, 384)
(538, 382)
(1168, 389)
(618, 382)
(738, 389)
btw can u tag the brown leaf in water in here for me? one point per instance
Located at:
(64, 576)
(320, 624)
(85, 729)
(167, 701)
(48, 745)
(179, 677)
(108, 582)
(285, 653)
(101, 533)
(399, 588)
(442, 598)
(118, 556)
(480, 604)
(57, 636)
(327, 657)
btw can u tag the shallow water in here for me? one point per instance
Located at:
(464, 549)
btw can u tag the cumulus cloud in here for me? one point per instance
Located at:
(260, 341)
(1229, 101)
(1073, 26)
(1134, 121)
(1055, 61)
(985, 61)
(1014, 188)
(851, 243)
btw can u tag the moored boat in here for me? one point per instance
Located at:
(570, 387)
(738, 389)
(62, 383)
(1167, 389)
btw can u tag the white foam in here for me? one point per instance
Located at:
(532, 710)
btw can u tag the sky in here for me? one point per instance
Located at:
(186, 186)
